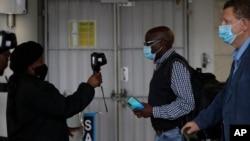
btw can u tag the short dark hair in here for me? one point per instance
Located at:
(163, 32)
(241, 8)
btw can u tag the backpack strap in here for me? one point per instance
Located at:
(168, 64)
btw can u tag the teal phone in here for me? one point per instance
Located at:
(134, 103)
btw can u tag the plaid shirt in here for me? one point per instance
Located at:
(182, 88)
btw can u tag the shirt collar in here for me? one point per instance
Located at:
(237, 53)
(164, 56)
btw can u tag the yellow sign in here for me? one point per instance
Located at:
(82, 34)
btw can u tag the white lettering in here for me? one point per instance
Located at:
(240, 132)
(243, 131)
(88, 137)
(88, 126)
(237, 132)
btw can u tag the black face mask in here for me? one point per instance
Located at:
(41, 71)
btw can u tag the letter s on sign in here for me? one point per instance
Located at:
(88, 126)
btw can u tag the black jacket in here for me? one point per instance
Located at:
(37, 111)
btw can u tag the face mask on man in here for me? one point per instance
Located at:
(225, 33)
(41, 71)
(148, 54)
(147, 49)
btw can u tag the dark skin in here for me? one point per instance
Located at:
(162, 46)
(4, 56)
(75, 129)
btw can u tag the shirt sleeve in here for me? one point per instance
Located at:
(182, 88)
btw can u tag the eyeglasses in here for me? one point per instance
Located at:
(151, 43)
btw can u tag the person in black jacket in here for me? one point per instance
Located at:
(36, 110)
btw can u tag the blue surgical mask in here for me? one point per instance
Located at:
(147, 53)
(225, 33)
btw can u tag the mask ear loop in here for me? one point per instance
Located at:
(158, 49)
(235, 25)
(161, 47)
(239, 33)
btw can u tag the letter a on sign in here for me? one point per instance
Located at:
(237, 132)
(88, 137)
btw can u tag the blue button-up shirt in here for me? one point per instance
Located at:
(238, 53)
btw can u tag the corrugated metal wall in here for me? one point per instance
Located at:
(119, 34)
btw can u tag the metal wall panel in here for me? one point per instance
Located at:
(120, 35)
(134, 23)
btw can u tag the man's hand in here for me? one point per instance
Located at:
(74, 129)
(190, 127)
(146, 112)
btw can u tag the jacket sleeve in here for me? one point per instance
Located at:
(79, 100)
(213, 114)
(47, 100)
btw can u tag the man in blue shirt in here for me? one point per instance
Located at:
(231, 105)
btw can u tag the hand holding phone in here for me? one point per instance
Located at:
(134, 103)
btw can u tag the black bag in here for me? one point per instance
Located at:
(205, 87)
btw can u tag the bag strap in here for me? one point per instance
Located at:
(168, 64)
